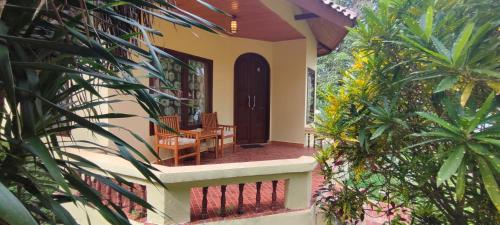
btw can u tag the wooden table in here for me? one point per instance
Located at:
(207, 134)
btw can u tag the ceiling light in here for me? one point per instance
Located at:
(234, 25)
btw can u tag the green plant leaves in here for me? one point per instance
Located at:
(446, 83)
(379, 131)
(439, 121)
(215, 9)
(441, 48)
(460, 186)
(52, 71)
(466, 93)
(491, 141)
(12, 210)
(490, 183)
(481, 114)
(35, 146)
(461, 43)
(451, 164)
(428, 22)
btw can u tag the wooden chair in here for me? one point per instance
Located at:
(176, 140)
(209, 121)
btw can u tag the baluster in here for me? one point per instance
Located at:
(109, 198)
(97, 185)
(87, 180)
(257, 197)
(119, 197)
(131, 204)
(240, 199)
(94, 183)
(82, 177)
(274, 205)
(223, 201)
(143, 193)
(204, 213)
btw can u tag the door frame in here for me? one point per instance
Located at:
(268, 90)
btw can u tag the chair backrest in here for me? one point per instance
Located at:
(170, 121)
(209, 120)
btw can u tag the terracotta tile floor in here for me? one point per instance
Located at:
(268, 152)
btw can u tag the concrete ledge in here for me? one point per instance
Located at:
(175, 200)
(300, 217)
(183, 174)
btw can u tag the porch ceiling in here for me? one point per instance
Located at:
(255, 20)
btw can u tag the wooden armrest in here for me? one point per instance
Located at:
(189, 133)
(167, 135)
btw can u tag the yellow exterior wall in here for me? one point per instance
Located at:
(287, 91)
(291, 59)
(288, 62)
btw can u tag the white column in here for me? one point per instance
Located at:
(298, 191)
(171, 204)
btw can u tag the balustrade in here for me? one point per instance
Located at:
(243, 189)
(112, 196)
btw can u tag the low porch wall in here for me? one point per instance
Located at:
(173, 204)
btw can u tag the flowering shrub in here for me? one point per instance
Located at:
(414, 123)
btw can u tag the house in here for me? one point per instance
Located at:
(258, 76)
(275, 42)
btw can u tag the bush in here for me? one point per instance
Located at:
(415, 121)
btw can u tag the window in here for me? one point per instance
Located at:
(193, 85)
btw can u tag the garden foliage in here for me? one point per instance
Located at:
(415, 121)
(61, 62)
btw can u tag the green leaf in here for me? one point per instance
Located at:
(419, 46)
(213, 8)
(441, 48)
(466, 93)
(380, 130)
(12, 210)
(494, 161)
(436, 119)
(429, 16)
(412, 25)
(482, 113)
(446, 84)
(461, 42)
(460, 187)
(489, 141)
(489, 182)
(439, 133)
(451, 110)
(478, 149)
(7, 77)
(451, 164)
(36, 147)
(489, 73)
(479, 34)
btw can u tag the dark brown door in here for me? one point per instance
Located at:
(251, 95)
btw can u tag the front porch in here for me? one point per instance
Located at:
(271, 151)
(262, 82)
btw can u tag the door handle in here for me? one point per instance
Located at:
(253, 107)
(248, 101)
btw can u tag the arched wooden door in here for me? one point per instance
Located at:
(251, 98)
